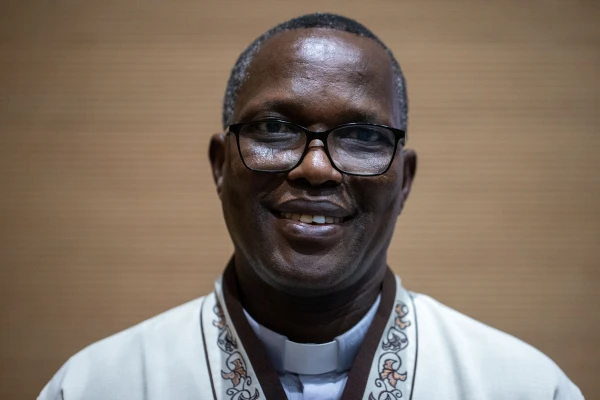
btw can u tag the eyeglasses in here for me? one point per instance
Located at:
(273, 145)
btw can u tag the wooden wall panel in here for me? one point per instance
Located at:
(108, 213)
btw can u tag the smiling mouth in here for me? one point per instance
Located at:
(311, 219)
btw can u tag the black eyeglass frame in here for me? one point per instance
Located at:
(399, 134)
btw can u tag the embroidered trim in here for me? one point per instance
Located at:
(235, 366)
(390, 362)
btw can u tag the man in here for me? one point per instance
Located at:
(312, 172)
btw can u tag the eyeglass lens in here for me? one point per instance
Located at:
(278, 146)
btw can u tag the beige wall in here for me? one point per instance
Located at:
(108, 213)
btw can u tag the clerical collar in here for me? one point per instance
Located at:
(314, 359)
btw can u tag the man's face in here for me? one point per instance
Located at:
(317, 78)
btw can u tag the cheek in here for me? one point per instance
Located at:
(243, 192)
(231, 189)
(382, 196)
(236, 193)
(238, 180)
(392, 185)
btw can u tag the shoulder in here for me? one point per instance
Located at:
(484, 360)
(123, 363)
(168, 329)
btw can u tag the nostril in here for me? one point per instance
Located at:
(309, 184)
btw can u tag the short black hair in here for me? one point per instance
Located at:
(317, 20)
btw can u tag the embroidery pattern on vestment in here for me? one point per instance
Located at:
(390, 362)
(235, 365)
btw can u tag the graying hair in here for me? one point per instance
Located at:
(317, 20)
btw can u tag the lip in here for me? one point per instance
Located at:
(306, 237)
(309, 237)
(313, 207)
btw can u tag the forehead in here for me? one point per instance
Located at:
(304, 67)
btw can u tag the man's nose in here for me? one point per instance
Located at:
(316, 167)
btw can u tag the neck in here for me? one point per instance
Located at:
(317, 319)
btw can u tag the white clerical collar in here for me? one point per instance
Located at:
(314, 359)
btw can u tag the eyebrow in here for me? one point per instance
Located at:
(290, 109)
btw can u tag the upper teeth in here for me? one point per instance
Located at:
(316, 219)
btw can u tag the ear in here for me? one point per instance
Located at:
(216, 155)
(409, 169)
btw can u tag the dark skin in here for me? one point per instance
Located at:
(312, 283)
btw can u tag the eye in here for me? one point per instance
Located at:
(367, 135)
(273, 127)
(271, 131)
(364, 135)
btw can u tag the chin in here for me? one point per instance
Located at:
(305, 275)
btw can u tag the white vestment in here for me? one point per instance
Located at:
(415, 348)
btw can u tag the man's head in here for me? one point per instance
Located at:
(317, 71)
(239, 73)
